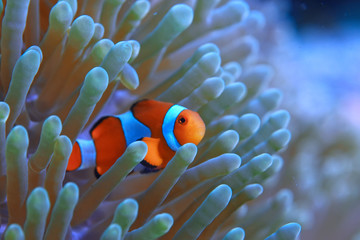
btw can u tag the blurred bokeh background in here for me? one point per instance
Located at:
(315, 47)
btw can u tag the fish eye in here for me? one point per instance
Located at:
(181, 120)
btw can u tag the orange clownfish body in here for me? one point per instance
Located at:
(163, 126)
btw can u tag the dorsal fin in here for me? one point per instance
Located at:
(98, 122)
(151, 113)
(135, 103)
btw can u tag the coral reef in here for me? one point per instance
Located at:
(65, 64)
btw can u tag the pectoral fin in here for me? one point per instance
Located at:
(153, 158)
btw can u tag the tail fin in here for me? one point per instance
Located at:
(82, 156)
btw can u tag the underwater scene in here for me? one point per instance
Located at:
(179, 119)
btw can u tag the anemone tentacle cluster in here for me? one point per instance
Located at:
(65, 63)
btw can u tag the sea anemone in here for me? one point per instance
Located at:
(65, 64)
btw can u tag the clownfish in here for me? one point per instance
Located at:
(163, 126)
